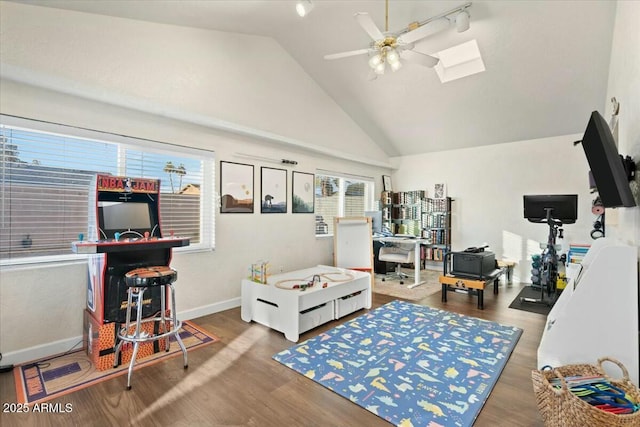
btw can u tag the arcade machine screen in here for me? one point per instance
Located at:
(125, 215)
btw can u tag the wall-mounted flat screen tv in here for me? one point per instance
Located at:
(607, 166)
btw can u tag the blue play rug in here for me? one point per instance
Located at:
(409, 364)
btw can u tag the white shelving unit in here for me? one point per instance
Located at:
(597, 313)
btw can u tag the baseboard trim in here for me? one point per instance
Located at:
(38, 352)
(205, 310)
(30, 354)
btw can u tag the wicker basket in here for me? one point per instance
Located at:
(560, 407)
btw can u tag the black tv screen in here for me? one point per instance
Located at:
(607, 166)
(124, 216)
(563, 207)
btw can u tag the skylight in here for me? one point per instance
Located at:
(459, 61)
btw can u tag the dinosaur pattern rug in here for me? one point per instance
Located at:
(409, 364)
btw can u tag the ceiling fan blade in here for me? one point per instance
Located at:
(347, 54)
(419, 58)
(426, 30)
(369, 26)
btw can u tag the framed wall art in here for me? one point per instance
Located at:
(303, 192)
(273, 194)
(386, 183)
(236, 187)
(439, 191)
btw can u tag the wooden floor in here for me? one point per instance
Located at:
(236, 383)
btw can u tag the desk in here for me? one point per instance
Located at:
(416, 263)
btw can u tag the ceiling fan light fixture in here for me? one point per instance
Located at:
(462, 21)
(393, 57)
(395, 66)
(386, 46)
(375, 60)
(303, 7)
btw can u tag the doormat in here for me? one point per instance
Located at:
(533, 307)
(49, 378)
(409, 364)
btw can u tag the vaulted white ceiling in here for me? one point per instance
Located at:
(546, 63)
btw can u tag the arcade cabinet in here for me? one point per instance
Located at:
(124, 233)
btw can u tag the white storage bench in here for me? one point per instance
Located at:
(294, 311)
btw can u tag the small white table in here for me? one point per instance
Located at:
(294, 311)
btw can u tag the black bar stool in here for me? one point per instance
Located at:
(138, 281)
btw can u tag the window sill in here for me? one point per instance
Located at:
(324, 236)
(71, 259)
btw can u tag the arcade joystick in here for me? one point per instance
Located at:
(146, 235)
(116, 236)
(80, 237)
(171, 233)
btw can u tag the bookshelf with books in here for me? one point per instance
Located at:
(413, 213)
(386, 207)
(436, 227)
(576, 253)
(401, 211)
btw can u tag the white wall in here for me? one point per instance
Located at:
(624, 85)
(487, 185)
(85, 70)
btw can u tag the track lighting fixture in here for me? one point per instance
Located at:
(462, 21)
(287, 162)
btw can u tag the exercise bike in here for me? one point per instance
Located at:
(549, 263)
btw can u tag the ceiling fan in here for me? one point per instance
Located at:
(388, 47)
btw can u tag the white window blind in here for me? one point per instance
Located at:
(46, 178)
(340, 195)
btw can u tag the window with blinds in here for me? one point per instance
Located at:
(46, 178)
(339, 196)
